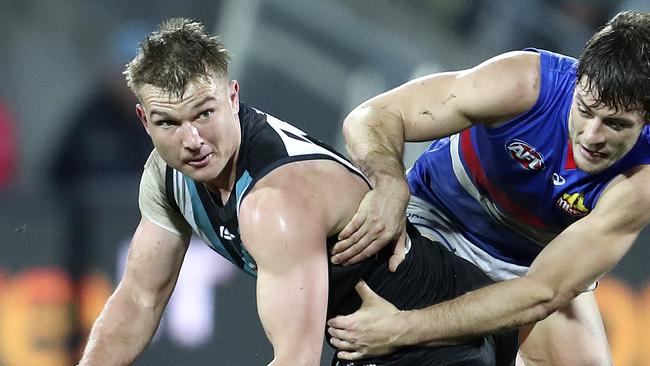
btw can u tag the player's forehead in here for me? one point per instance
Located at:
(204, 89)
(586, 94)
(197, 86)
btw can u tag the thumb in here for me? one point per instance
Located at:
(364, 291)
(399, 253)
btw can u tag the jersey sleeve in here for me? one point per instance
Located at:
(557, 75)
(153, 201)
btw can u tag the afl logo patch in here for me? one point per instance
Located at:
(525, 155)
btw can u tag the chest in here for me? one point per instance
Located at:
(216, 223)
(535, 171)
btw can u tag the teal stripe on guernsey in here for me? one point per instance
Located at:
(241, 187)
(203, 222)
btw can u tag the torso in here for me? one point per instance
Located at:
(273, 152)
(516, 186)
(268, 144)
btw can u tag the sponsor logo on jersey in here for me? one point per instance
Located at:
(573, 204)
(558, 180)
(525, 155)
(225, 233)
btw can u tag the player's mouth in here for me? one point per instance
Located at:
(592, 155)
(201, 161)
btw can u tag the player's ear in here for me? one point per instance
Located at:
(233, 94)
(139, 110)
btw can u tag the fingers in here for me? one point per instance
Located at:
(358, 242)
(353, 226)
(354, 246)
(348, 349)
(399, 253)
(347, 248)
(335, 325)
(341, 345)
(349, 356)
(370, 250)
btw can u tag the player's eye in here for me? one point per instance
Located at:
(206, 113)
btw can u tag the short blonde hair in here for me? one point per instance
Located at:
(176, 54)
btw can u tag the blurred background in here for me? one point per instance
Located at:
(72, 149)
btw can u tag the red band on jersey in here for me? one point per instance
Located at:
(501, 199)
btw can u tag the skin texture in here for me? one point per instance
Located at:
(132, 313)
(600, 136)
(200, 135)
(284, 223)
(546, 299)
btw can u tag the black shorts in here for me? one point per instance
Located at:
(429, 274)
(485, 351)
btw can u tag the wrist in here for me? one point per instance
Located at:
(395, 184)
(401, 335)
(413, 330)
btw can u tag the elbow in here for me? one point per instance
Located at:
(548, 299)
(374, 113)
(296, 359)
(298, 354)
(141, 300)
(354, 119)
(560, 299)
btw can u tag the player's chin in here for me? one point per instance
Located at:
(594, 167)
(189, 171)
(199, 176)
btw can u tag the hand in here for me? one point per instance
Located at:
(368, 332)
(380, 220)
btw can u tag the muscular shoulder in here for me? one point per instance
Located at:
(522, 61)
(153, 201)
(501, 87)
(152, 183)
(313, 192)
(154, 168)
(287, 189)
(279, 218)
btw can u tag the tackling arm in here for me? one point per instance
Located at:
(576, 258)
(423, 109)
(567, 266)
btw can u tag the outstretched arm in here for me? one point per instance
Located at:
(424, 109)
(132, 313)
(567, 266)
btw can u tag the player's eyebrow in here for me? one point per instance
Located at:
(199, 103)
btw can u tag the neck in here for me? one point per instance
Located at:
(224, 184)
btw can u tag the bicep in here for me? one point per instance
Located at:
(289, 248)
(441, 104)
(153, 263)
(292, 304)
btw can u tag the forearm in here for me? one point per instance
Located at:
(565, 268)
(121, 332)
(502, 306)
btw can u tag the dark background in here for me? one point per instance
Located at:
(73, 149)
